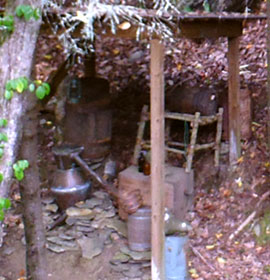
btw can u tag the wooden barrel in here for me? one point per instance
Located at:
(88, 117)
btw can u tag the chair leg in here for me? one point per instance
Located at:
(192, 144)
(218, 135)
(140, 132)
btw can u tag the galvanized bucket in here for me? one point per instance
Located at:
(175, 258)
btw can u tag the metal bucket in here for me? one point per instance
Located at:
(175, 258)
(139, 230)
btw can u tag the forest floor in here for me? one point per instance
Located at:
(224, 197)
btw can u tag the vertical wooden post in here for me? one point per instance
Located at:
(157, 160)
(234, 91)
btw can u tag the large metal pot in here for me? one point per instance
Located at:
(68, 196)
(68, 178)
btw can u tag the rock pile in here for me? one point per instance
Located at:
(91, 226)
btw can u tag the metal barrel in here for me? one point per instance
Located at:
(139, 230)
(175, 258)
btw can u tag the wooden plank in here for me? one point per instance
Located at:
(234, 99)
(210, 29)
(198, 28)
(157, 159)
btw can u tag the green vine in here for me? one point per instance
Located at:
(6, 27)
(4, 204)
(21, 84)
(19, 168)
(41, 89)
(28, 12)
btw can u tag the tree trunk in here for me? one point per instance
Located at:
(36, 263)
(16, 59)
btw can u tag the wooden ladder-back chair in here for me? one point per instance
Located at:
(178, 147)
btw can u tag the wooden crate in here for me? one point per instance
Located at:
(178, 188)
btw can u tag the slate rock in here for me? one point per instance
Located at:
(91, 247)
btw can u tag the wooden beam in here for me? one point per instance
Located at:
(157, 159)
(212, 28)
(234, 99)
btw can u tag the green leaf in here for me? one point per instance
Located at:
(3, 122)
(19, 11)
(37, 14)
(23, 164)
(28, 12)
(1, 152)
(1, 177)
(47, 88)
(19, 86)
(4, 203)
(7, 204)
(25, 82)
(2, 215)
(3, 137)
(32, 87)
(41, 92)
(8, 94)
(19, 174)
(8, 22)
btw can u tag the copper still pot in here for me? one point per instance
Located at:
(69, 187)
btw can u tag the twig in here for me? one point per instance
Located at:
(250, 217)
(199, 255)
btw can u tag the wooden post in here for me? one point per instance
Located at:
(234, 91)
(157, 160)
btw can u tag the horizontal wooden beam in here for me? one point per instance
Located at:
(210, 29)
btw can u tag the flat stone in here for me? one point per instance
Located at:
(73, 232)
(120, 257)
(93, 202)
(118, 225)
(105, 214)
(61, 242)
(120, 267)
(107, 204)
(65, 236)
(100, 194)
(55, 248)
(137, 256)
(91, 247)
(51, 207)
(83, 222)
(80, 212)
(134, 271)
(71, 221)
(84, 228)
(105, 236)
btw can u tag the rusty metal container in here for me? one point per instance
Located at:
(139, 230)
(88, 118)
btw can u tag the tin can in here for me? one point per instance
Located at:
(139, 230)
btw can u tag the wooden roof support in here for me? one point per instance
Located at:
(157, 159)
(234, 99)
